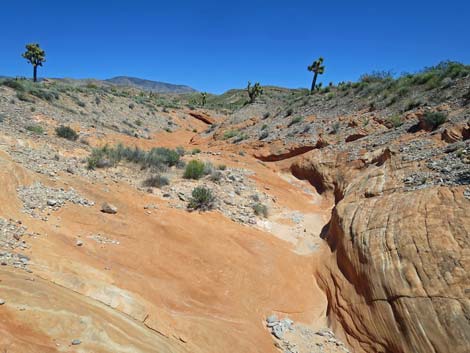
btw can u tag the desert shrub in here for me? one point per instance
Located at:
(264, 134)
(215, 176)
(138, 122)
(335, 128)
(201, 199)
(265, 126)
(194, 170)
(208, 168)
(411, 104)
(392, 101)
(294, 121)
(44, 95)
(156, 181)
(24, 97)
(221, 167)
(195, 151)
(266, 115)
(37, 129)
(14, 84)
(100, 158)
(403, 91)
(289, 112)
(433, 82)
(240, 137)
(434, 119)
(180, 150)
(97, 100)
(229, 134)
(157, 158)
(260, 210)
(160, 156)
(466, 97)
(131, 106)
(66, 132)
(395, 121)
(376, 76)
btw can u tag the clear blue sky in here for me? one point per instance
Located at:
(217, 45)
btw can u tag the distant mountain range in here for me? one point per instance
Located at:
(148, 85)
(127, 81)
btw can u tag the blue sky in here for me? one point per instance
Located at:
(218, 45)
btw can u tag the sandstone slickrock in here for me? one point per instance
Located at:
(398, 274)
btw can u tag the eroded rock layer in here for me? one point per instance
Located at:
(397, 280)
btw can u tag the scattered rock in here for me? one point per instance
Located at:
(76, 342)
(2, 301)
(51, 202)
(38, 197)
(108, 208)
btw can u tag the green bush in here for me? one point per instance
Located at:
(161, 156)
(229, 134)
(240, 137)
(44, 95)
(395, 121)
(14, 84)
(194, 170)
(66, 132)
(157, 158)
(156, 181)
(434, 119)
(195, 151)
(37, 129)
(201, 199)
(24, 97)
(260, 210)
(295, 120)
(376, 76)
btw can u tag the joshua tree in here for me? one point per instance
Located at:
(35, 56)
(254, 91)
(203, 98)
(317, 68)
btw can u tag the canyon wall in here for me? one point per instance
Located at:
(397, 277)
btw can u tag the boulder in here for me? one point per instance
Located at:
(108, 208)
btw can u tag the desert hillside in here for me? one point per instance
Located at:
(297, 222)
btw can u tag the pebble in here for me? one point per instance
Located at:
(2, 301)
(51, 202)
(79, 243)
(76, 342)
